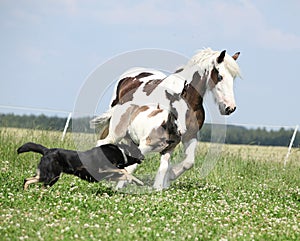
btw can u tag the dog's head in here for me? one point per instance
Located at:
(132, 152)
(121, 155)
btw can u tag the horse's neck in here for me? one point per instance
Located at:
(195, 86)
(196, 81)
(174, 82)
(190, 74)
(190, 82)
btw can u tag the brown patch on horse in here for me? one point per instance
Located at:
(166, 137)
(151, 85)
(143, 75)
(148, 140)
(157, 138)
(193, 92)
(126, 88)
(155, 112)
(104, 133)
(194, 122)
(138, 111)
(213, 78)
(174, 136)
(172, 97)
(194, 98)
(124, 121)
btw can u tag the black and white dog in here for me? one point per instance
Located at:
(103, 162)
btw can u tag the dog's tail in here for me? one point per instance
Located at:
(30, 146)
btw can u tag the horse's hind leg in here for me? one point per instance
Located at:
(109, 139)
(188, 161)
(118, 125)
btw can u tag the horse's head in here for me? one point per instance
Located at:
(223, 72)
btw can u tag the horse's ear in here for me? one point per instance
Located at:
(236, 55)
(221, 57)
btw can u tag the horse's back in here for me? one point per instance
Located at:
(143, 75)
(133, 72)
(131, 80)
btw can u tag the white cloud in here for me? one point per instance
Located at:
(232, 19)
(143, 12)
(245, 21)
(228, 20)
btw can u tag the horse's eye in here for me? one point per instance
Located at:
(220, 77)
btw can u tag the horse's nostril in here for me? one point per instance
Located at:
(229, 110)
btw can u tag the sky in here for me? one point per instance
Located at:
(49, 48)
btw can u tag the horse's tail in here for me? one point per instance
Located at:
(30, 146)
(101, 123)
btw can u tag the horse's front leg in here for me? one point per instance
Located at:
(188, 162)
(162, 179)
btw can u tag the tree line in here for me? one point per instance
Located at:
(43, 122)
(258, 136)
(234, 134)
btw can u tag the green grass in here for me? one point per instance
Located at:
(245, 197)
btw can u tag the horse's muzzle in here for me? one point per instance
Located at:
(226, 110)
(229, 110)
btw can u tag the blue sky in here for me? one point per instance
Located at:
(48, 48)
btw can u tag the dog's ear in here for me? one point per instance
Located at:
(137, 154)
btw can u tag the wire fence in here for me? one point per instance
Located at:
(67, 115)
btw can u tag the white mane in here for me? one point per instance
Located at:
(205, 57)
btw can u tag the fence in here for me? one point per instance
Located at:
(68, 116)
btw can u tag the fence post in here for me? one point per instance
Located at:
(290, 146)
(66, 126)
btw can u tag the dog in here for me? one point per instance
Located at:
(102, 162)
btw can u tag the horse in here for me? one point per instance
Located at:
(156, 111)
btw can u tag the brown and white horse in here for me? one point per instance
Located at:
(157, 112)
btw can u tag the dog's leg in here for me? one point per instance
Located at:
(31, 180)
(131, 178)
(130, 169)
(125, 176)
(52, 181)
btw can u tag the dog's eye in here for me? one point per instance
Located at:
(220, 77)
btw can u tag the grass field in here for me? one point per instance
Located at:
(248, 195)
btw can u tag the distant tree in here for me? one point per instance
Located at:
(234, 134)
